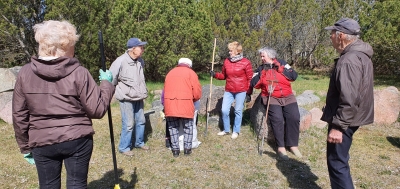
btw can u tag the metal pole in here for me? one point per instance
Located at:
(110, 125)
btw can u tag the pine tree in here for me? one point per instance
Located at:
(17, 43)
(173, 29)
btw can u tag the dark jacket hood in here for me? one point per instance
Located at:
(54, 69)
(360, 46)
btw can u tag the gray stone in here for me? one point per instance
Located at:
(305, 119)
(215, 101)
(6, 113)
(307, 97)
(157, 92)
(8, 78)
(156, 105)
(259, 121)
(5, 97)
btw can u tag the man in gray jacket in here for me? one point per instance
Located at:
(350, 98)
(130, 90)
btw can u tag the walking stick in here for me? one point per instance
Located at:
(271, 88)
(103, 65)
(208, 103)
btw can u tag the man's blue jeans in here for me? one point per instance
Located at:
(226, 107)
(132, 114)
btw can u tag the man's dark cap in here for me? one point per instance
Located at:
(134, 42)
(347, 26)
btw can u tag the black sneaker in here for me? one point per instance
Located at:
(167, 143)
(187, 152)
(175, 153)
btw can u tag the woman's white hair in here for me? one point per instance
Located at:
(55, 37)
(271, 53)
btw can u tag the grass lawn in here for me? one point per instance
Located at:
(221, 162)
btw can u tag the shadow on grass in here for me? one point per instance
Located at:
(395, 141)
(245, 118)
(298, 174)
(108, 181)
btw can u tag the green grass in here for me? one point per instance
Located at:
(220, 162)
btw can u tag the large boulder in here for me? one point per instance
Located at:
(6, 113)
(258, 120)
(217, 96)
(305, 119)
(8, 78)
(386, 105)
(6, 106)
(316, 115)
(215, 101)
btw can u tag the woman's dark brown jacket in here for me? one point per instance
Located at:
(54, 101)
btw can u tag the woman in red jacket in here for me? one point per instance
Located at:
(181, 89)
(273, 77)
(237, 71)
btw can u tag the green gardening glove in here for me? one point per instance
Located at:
(105, 75)
(29, 158)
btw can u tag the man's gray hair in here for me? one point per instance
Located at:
(271, 53)
(348, 36)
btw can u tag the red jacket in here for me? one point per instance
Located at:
(237, 74)
(280, 78)
(181, 89)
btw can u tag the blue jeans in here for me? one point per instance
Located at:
(132, 114)
(226, 107)
(76, 156)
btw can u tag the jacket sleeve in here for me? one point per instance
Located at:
(196, 90)
(95, 99)
(261, 78)
(288, 71)
(114, 69)
(347, 82)
(222, 75)
(20, 115)
(249, 75)
(256, 76)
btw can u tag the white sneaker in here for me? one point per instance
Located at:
(234, 135)
(222, 133)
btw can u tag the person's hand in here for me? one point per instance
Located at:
(276, 63)
(335, 136)
(107, 75)
(277, 66)
(29, 158)
(212, 73)
(248, 98)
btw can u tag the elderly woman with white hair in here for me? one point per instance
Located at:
(273, 78)
(181, 89)
(54, 100)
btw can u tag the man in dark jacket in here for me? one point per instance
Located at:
(350, 99)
